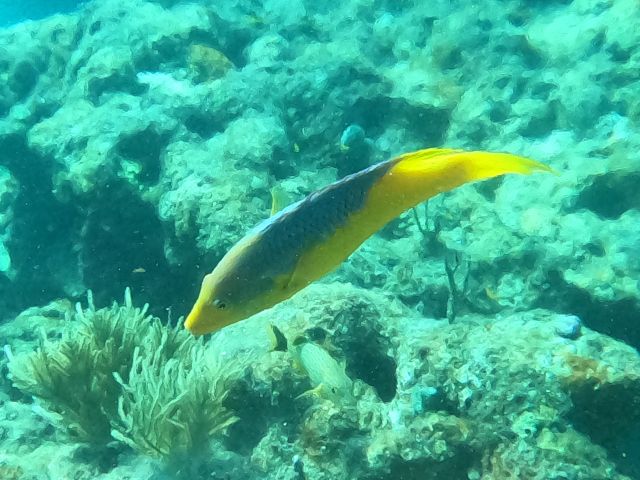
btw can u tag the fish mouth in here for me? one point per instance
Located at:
(196, 332)
(191, 324)
(193, 332)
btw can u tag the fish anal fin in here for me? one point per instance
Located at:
(316, 391)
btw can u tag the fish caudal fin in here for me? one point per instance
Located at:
(480, 165)
(464, 166)
(417, 176)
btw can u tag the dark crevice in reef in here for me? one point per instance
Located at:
(609, 416)
(23, 79)
(123, 246)
(144, 148)
(617, 319)
(367, 359)
(41, 241)
(58, 249)
(372, 365)
(245, 434)
(427, 123)
(597, 409)
(258, 405)
(203, 124)
(118, 81)
(611, 194)
(455, 468)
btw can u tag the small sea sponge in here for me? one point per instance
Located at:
(206, 63)
(325, 429)
(585, 371)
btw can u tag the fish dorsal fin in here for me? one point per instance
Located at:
(277, 339)
(279, 199)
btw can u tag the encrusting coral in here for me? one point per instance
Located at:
(207, 63)
(485, 398)
(118, 373)
(189, 120)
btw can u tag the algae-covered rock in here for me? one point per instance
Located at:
(523, 395)
(8, 194)
(483, 397)
(207, 63)
(101, 117)
(565, 454)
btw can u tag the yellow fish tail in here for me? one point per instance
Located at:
(462, 167)
(419, 175)
(481, 165)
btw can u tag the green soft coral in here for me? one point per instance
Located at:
(118, 373)
(172, 405)
(73, 376)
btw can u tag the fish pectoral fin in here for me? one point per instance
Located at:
(279, 199)
(314, 392)
(297, 366)
(298, 279)
(283, 281)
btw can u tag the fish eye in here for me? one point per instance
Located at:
(219, 304)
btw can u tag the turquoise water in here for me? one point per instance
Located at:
(15, 12)
(489, 332)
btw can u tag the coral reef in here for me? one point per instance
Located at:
(189, 120)
(516, 397)
(525, 395)
(482, 332)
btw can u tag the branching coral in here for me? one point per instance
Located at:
(120, 373)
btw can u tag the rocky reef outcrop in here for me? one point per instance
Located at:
(146, 136)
